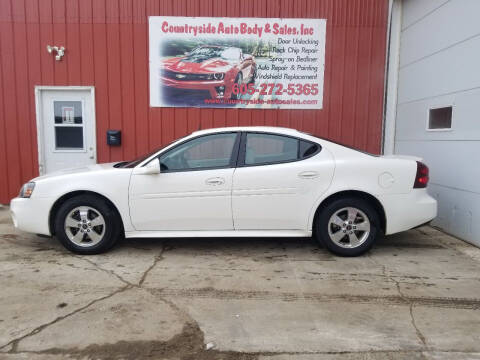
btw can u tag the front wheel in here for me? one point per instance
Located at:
(347, 227)
(87, 225)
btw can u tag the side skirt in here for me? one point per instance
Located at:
(218, 233)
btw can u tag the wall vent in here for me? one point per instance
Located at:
(440, 118)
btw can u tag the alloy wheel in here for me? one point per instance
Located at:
(85, 226)
(349, 227)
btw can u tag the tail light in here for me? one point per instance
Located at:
(421, 178)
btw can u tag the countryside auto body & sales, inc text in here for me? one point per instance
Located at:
(237, 62)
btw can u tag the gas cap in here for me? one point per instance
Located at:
(386, 180)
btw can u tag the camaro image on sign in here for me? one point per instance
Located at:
(208, 72)
(236, 62)
(241, 181)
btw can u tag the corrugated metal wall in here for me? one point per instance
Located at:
(107, 46)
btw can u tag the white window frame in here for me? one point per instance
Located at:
(82, 125)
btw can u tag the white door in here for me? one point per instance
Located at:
(277, 182)
(66, 129)
(193, 189)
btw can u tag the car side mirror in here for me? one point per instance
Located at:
(152, 168)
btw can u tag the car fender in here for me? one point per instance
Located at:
(331, 192)
(107, 184)
(118, 206)
(364, 173)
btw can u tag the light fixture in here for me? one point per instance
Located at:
(60, 51)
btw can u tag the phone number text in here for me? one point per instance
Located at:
(276, 89)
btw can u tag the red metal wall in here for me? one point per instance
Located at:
(107, 46)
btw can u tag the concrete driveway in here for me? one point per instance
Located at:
(416, 295)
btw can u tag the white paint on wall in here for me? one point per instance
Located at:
(449, 71)
(439, 57)
(395, 21)
(416, 10)
(419, 42)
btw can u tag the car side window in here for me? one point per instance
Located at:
(307, 149)
(204, 152)
(269, 148)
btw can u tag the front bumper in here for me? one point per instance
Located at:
(31, 215)
(406, 211)
(210, 86)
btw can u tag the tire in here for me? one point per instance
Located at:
(238, 80)
(341, 235)
(81, 231)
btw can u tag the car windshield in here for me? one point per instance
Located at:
(206, 52)
(133, 163)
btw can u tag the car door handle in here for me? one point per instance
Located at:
(308, 175)
(215, 181)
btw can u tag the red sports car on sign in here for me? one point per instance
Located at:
(208, 72)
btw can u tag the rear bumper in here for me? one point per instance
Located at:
(406, 211)
(31, 215)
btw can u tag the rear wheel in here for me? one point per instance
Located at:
(348, 226)
(87, 225)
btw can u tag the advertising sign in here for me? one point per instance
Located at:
(236, 62)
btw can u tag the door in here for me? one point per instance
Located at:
(193, 189)
(66, 129)
(277, 181)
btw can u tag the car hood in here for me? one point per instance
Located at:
(185, 65)
(79, 170)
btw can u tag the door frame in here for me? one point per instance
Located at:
(39, 89)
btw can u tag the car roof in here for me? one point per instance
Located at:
(270, 129)
(337, 148)
(212, 46)
(218, 46)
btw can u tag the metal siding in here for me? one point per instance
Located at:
(436, 70)
(107, 46)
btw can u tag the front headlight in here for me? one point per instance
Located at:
(219, 76)
(27, 190)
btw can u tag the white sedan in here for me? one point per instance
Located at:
(242, 181)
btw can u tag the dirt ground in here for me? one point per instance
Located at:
(415, 296)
